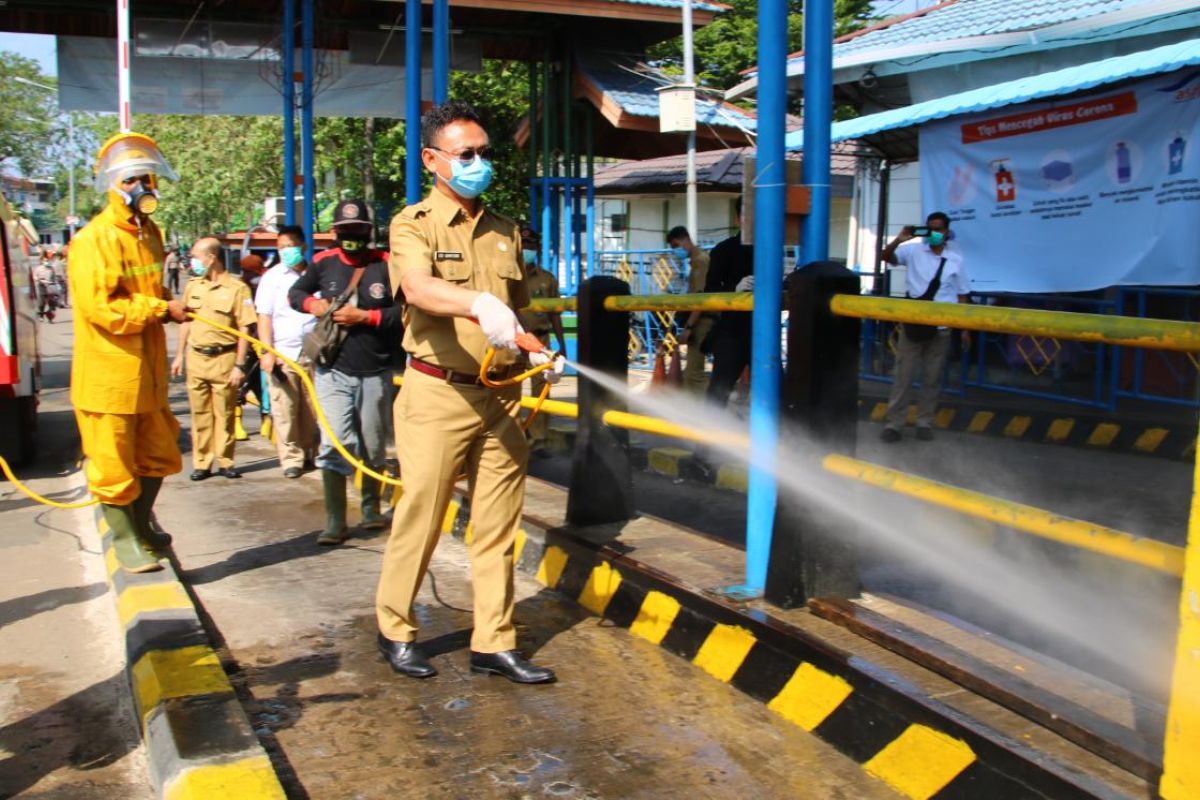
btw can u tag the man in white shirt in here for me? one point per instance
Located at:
(935, 272)
(280, 325)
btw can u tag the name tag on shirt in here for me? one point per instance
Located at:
(447, 255)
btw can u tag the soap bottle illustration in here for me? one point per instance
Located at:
(1124, 164)
(1006, 188)
(1175, 155)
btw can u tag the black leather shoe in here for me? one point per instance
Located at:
(293, 472)
(890, 435)
(405, 658)
(511, 665)
(200, 474)
(229, 472)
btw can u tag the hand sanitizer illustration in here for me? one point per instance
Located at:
(1124, 164)
(1175, 155)
(1006, 187)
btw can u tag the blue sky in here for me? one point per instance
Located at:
(35, 46)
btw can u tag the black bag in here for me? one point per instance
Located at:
(923, 333)
(322, 344)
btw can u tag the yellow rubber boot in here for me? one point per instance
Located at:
(239, 433)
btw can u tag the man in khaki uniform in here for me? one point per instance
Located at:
(216, 360)
(696, 325)
(458, 267)
(540, 283)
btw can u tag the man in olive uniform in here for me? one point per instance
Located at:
(458, 266)
(541, 283)
(118, 367)
(696, 325)
(215, 359)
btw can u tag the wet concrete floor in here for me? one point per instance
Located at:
(625, 720)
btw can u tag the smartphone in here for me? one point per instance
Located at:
(919, 231)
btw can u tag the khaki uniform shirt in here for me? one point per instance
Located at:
(481, 254)
(540, 283)
(225, 300)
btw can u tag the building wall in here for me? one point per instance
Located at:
(650, 217)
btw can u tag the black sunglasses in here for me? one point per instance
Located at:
(468, 155)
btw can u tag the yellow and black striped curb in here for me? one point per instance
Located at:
(1094, 432)
(916, 744)
(199, 742)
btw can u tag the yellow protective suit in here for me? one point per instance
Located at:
(119, 366)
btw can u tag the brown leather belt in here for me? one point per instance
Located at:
(450, 376)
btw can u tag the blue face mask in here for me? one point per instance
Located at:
(936, 238)
(680, 253)
(197, 267)
(291, 256)
(469, 180)
(529, 257)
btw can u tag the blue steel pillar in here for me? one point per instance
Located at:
(818, 115)
(306, 120)
(441, 51)
(769, 195)
(412, 101)
(288, 89)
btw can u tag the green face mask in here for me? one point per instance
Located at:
(529, 257)
(936, 238)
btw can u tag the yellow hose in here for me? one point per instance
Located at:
(311, 389)
(32, 495)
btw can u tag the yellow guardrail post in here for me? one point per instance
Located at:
(1181, 747)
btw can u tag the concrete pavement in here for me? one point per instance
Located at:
(67, 728)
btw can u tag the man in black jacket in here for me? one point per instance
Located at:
(356, 392)
(730, 269)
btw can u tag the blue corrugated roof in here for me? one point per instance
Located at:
(1061, 82)
(968, 18)
(637, 94)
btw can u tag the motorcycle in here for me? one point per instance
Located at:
(51, 300)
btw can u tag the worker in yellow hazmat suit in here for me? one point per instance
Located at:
(119, 366)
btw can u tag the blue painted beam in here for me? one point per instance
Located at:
(769, 198)
(441, 51)
(818, 117)
(288, 90)
(412, 101)
(308, 165)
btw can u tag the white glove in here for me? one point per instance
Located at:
(498, 321)
(746, 284)
(553, 375)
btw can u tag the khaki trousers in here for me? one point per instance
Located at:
(442, 429)
(924, 360)
(292, 418)
(694, 379)
(541, 423)
(213, 402)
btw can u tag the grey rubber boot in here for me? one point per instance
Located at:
(372, 520)
(334, 484)
(131, 554)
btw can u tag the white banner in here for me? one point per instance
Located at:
(1074, 194)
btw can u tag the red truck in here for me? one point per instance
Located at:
(20, 364)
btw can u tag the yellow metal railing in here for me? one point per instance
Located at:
(1027, 519)
(1156, 334)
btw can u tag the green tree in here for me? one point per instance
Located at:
(729, 44)
(27, 115)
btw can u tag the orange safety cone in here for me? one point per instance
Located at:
(659, 378)
(675, 372)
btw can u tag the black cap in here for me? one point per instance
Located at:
(351, 212)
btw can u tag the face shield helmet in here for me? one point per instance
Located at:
(132, 164)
